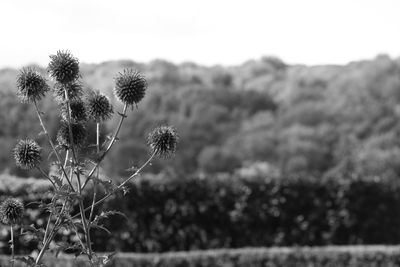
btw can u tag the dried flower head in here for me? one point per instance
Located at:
(11, 211)
(74, 91)
(130, 87)
(27, 154)
(78, 111)
(163, 141)
(78, 134)
(31, 85)
(99, 107)
(63, 67)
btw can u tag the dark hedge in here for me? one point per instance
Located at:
(169, 214)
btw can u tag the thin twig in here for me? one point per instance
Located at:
(46, 233)
(51, 143)
(12, 246)
(120, 186)
(71, 136)
(74, 164)
(46, 176)
(114, 138)
(97, 174)
(55, 228)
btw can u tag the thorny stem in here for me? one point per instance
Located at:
(74, 163)
(79, 238)
(51, 144)
(46, 176)
(120, 186)
(98, 137)
(85, 225)
(12, 246)
(51, 236)
(48, 224)
(114, 138)
(46, 244)
(53, 232)
(97, 174)
(71, 137)
(66, 161)
(46, 233)
(94, 197)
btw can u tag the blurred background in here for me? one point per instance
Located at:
(287, 114)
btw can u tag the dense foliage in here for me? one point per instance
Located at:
(171, 214)
(357, 256)
(322, 120)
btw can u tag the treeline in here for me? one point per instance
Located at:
(260, 117)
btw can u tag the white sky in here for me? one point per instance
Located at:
(204, 31)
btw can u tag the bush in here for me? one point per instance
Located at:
(357, 256)
(174, 214)
(231, 212)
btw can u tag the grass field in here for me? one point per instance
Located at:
(248, 257)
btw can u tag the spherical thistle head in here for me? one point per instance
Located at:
(63, 67)
(78, 134)
(74, 91)
(163, 141)
(78, 111)
(31, 86)
(98, 107)
(11, 211)
(130, 87)
(27, 154)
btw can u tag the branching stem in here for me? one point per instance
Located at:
(12, 246)
(97, 173)
(52, 144)
(113, 139)
(46, 176)
(74, 164)
(120, 186)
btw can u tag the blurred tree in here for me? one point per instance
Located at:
(321, 119)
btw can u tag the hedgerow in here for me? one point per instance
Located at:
(189, 213)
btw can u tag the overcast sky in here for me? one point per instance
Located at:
(206, 31)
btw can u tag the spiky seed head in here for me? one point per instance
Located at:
(78, 133)
(163, 141)
(11, 211)
(99, 107)
(31, 86)
(74, 91)
(130, 87)
(78, 111)
(27, 154)
(63, 67)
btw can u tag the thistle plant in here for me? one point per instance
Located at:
(77, 107)
(11, 212)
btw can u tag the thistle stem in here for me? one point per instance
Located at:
(74, 163)
(51, 143)
(46, 233)
(120, 186)
(71, 136)
(97, 174)
(66, 161)
(114, 138)
(46, 176)
(98, 137)
(86, 228)
(53, 231)
(12, 246)
(46, 244)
